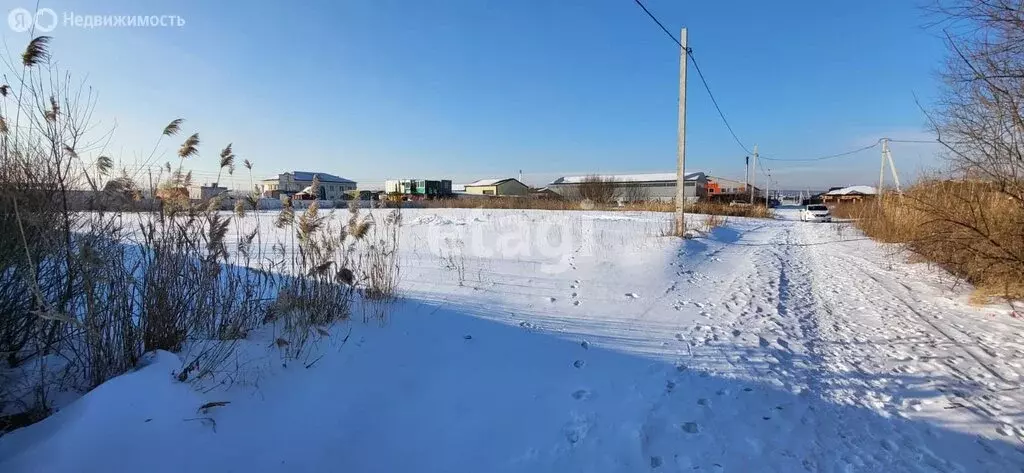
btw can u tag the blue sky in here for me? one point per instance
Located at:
(466, 89)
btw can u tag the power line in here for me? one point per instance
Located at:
(715, 102)
(924, 141)
(822, 158)
(703, 80)
(767, 171)
(670, 35)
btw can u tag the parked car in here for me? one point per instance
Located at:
(815, 213)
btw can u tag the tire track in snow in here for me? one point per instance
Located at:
(985, 407)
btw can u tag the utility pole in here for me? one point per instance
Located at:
(746, 175)
(681, 140)
(887, 157)
(753, 176)
(881, 169)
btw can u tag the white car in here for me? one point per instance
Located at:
(815, 213)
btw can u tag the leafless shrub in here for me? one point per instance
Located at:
(85, 294)
(454, 258)
(633, 193)
(597, 189)
(712, 222)
(971, 220)
(970, 228)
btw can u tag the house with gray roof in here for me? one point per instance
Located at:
(288, 183)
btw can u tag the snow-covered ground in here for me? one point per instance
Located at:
(586, 341)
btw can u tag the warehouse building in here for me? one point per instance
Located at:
(418, 187)
(724, 189)
(637, 187)
(497, 187)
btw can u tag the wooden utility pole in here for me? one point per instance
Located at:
(681, 140)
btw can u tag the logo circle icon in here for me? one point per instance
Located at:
(46, 20)
(20, 20)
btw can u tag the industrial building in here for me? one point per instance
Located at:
(656, 186)
(423, 188)
(497, 187)
(720, 188)
(289, 183)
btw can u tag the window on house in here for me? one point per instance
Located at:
(488, 192)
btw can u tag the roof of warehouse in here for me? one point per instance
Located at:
(652, 177)
(489, 182)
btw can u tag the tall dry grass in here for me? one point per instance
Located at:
(708, 208)
(967, 227)
(83, 295)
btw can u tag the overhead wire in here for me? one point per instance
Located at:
(718, 108)
(822, 158)
(700, 74)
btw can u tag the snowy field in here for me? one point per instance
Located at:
(548, 341)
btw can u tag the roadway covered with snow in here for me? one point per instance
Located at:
(586, 341)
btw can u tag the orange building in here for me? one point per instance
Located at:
(720, 186)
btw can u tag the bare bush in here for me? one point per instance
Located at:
(967, 227)
(970, 221)
(597, 189)
(85, 294)
(712, 222)
(633, 193)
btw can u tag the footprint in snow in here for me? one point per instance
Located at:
(691, 427)
(581, 394)
(579, 364)
(632, 295)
